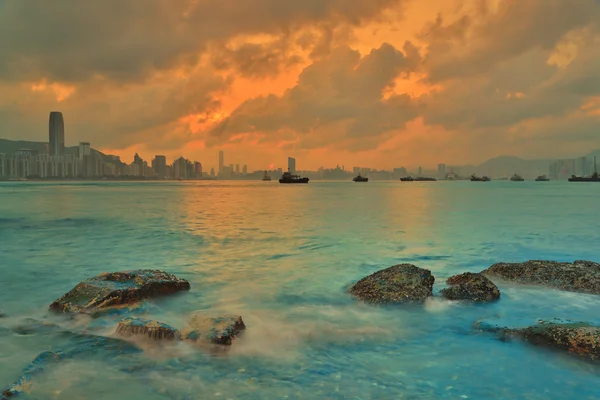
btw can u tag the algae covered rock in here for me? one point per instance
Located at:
(472, 287)
(403, 283)
(579, 276)
(580, 339)
(217, 330)
(117, 289)
(155, 330)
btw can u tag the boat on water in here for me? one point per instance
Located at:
(360, 178)
(541, 178)
(593, 178)
(288, 177)
(266, 177)
(517, 178)
(475, 178)
(417, 179)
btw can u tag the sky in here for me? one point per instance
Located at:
(370, 83)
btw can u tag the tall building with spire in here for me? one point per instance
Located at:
(56, 134)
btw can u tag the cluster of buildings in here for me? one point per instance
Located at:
(52, 160)
(564, 169)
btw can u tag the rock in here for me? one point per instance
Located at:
(403, 283)
(30, 326)
(472, 287)
(38, 365)
(580, 276)
(118, 289)
(141, 327)
(81, 345)
(85, 345)
(220, 330)
(580, 339)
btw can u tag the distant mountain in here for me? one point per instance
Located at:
(11, 146)
(506, 166)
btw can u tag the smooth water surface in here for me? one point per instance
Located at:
(283, 257)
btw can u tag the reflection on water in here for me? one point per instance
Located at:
(282, 257)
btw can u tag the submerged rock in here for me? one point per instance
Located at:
(117, 289)
(81, 345)
(30, 326)
(472, 287)
(580, 339)
(142, 327)
(579, 276)
(85, 345)
(38, 365)
(219, 330)
(403, 283)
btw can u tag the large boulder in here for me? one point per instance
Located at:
(154, 330)
(217, 330)
(472, 287)
(579, 276)
(403, 283)
(580, 339)
(118, 289)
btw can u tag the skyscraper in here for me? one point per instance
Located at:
(84, 149)
(159, 165)
(221, 162)
(441, 171)
(56, 134)
(292, 165)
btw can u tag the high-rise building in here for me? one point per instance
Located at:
(84, 149)
(245, 169)
(221, 161)
(237, 168)
(292, 165)
(56, 134)
(441, 170)
(159, 165)
(198, 169)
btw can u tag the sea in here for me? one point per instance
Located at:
(283, 258)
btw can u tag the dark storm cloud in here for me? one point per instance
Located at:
(124, 40)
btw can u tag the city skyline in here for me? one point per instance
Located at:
(54, 162)
(357, 82)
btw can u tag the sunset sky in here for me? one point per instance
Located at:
(378, 83)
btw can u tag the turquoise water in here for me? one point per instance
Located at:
(282, 257)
